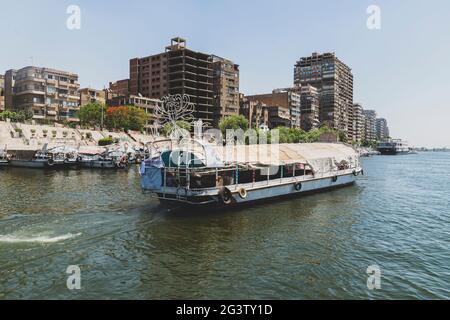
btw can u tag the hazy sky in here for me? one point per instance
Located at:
(401, 70)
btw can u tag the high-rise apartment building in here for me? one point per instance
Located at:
(382, 129)
(357, 123)
(334, 82)
(310, 109)
(178, 70)
(212, 83)
(2, 92)
(225, 88)
(48, 94)
(9, 81)
(370, 117)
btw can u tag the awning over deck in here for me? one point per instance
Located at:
(284, 154)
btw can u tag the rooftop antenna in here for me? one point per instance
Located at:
(31, 60)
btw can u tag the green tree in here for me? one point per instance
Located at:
(233, 122)
(90, 115)
(137, 119)
(295, 135)
(8, 115)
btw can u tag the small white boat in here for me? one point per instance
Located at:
(101, 161)
(194, 173)
(43, 159)
(4, 157)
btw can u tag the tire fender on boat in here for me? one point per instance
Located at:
(334, 179)
(225, 196)
(50, 162)
(298, 186)
(242, 193)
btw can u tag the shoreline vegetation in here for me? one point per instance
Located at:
(125, 118)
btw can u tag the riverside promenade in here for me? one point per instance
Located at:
(21, 137)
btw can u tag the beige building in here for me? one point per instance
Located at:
(358, 123)
(48, 94)
(2, 92)
(88, 95)
(225, 87)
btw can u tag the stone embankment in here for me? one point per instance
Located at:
(20, 136)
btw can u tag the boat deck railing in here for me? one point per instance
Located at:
(306, 175)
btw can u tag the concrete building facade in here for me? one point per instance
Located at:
(120, 87)
(309, 108)
(149, 105)
(88, 95)
(2, 93)
(211, 82)
(285, 104)
(358, 123)
(49, 94)
(382, 129)
(256, 112)
(370, 117)
(225, 88)
(178, 70)
(334, 82)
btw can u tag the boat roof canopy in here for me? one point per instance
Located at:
(282, 154)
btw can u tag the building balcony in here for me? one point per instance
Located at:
(30, 91)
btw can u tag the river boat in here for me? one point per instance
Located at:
(195, 173)
(394, 147)
(55, 158)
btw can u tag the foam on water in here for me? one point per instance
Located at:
(36, 239)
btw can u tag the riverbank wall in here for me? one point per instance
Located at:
(21, 136)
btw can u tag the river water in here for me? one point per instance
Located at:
(318, 246)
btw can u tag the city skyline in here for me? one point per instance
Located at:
(396, 69)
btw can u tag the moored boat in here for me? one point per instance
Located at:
(198, 174)
(103, 160)
(45, 159)
(4, 157)
(393, 147)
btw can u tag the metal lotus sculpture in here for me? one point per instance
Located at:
(173, 109)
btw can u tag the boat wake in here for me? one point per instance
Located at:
(37, 239)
